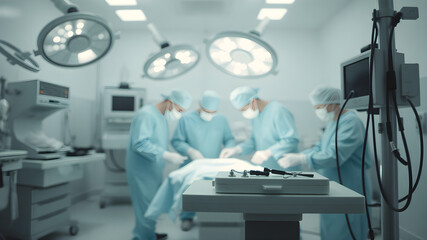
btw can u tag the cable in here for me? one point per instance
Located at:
(110, 168)
(68, 131)
(370, 111)
(408, 197)
(405, 144)
(420, 169)
(421, 140)
(113, 160)
(391, 87)
(337, 160)
(117, 169)
(374, 37)
(368, 217)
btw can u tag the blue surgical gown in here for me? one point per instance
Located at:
(148, 141)
(322, 159)
(207, 137)
(273, 129)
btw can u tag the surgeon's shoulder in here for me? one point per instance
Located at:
(351, 119)
(220, 117)
(147, 109)
(190, 116)
(279, 108)
(146, 112)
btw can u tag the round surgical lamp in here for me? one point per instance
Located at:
(15, 56)
(75, 39)
(243, 55)
(170, 61)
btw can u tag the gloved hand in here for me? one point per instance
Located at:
(261, 156)
(194, 154)
(291, 160)
(174, 158)
(228, 152)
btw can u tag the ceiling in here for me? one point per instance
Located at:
(217, 14)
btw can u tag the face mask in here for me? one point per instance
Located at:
(324, 115)
(172, 115)
(206, 116)
(250, 114)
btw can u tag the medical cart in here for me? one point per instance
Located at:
(44, 196)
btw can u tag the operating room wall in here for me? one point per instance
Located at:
(340, 39)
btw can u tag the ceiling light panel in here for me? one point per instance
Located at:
(272, 13)
(121, 2)
(279, 1)
(131, 15)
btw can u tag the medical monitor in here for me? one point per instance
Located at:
(122, 103)
(355, 77)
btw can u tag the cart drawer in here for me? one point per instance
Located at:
(51, 176)
(51, 222)
(45, 208)
(43, 194)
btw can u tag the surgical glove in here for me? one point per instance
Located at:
(174, 158)
(291, 160)
(261, 156)
(194, 154)
(228, 152)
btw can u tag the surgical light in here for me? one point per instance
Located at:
(170, 61)
(243, 55)
(15, 56)
(75, 39)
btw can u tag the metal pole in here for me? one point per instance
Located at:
(65, 6)
(390, 219)
(158, 38)
(261, 26)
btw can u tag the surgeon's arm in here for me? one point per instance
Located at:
(179, 139)
(315, 148)
(228, 140)
(284, 125)
(248, 146)
(350, 136)
(141, 132)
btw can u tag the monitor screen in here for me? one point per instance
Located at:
(356, 77)
(123, 103)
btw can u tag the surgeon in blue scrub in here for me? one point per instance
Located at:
(146, 156)
(322, 158)
(202, 134)
(273, 129)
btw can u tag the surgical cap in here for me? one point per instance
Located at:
(325, 95)
(242, 96)
(180, 97)
(210, 100)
